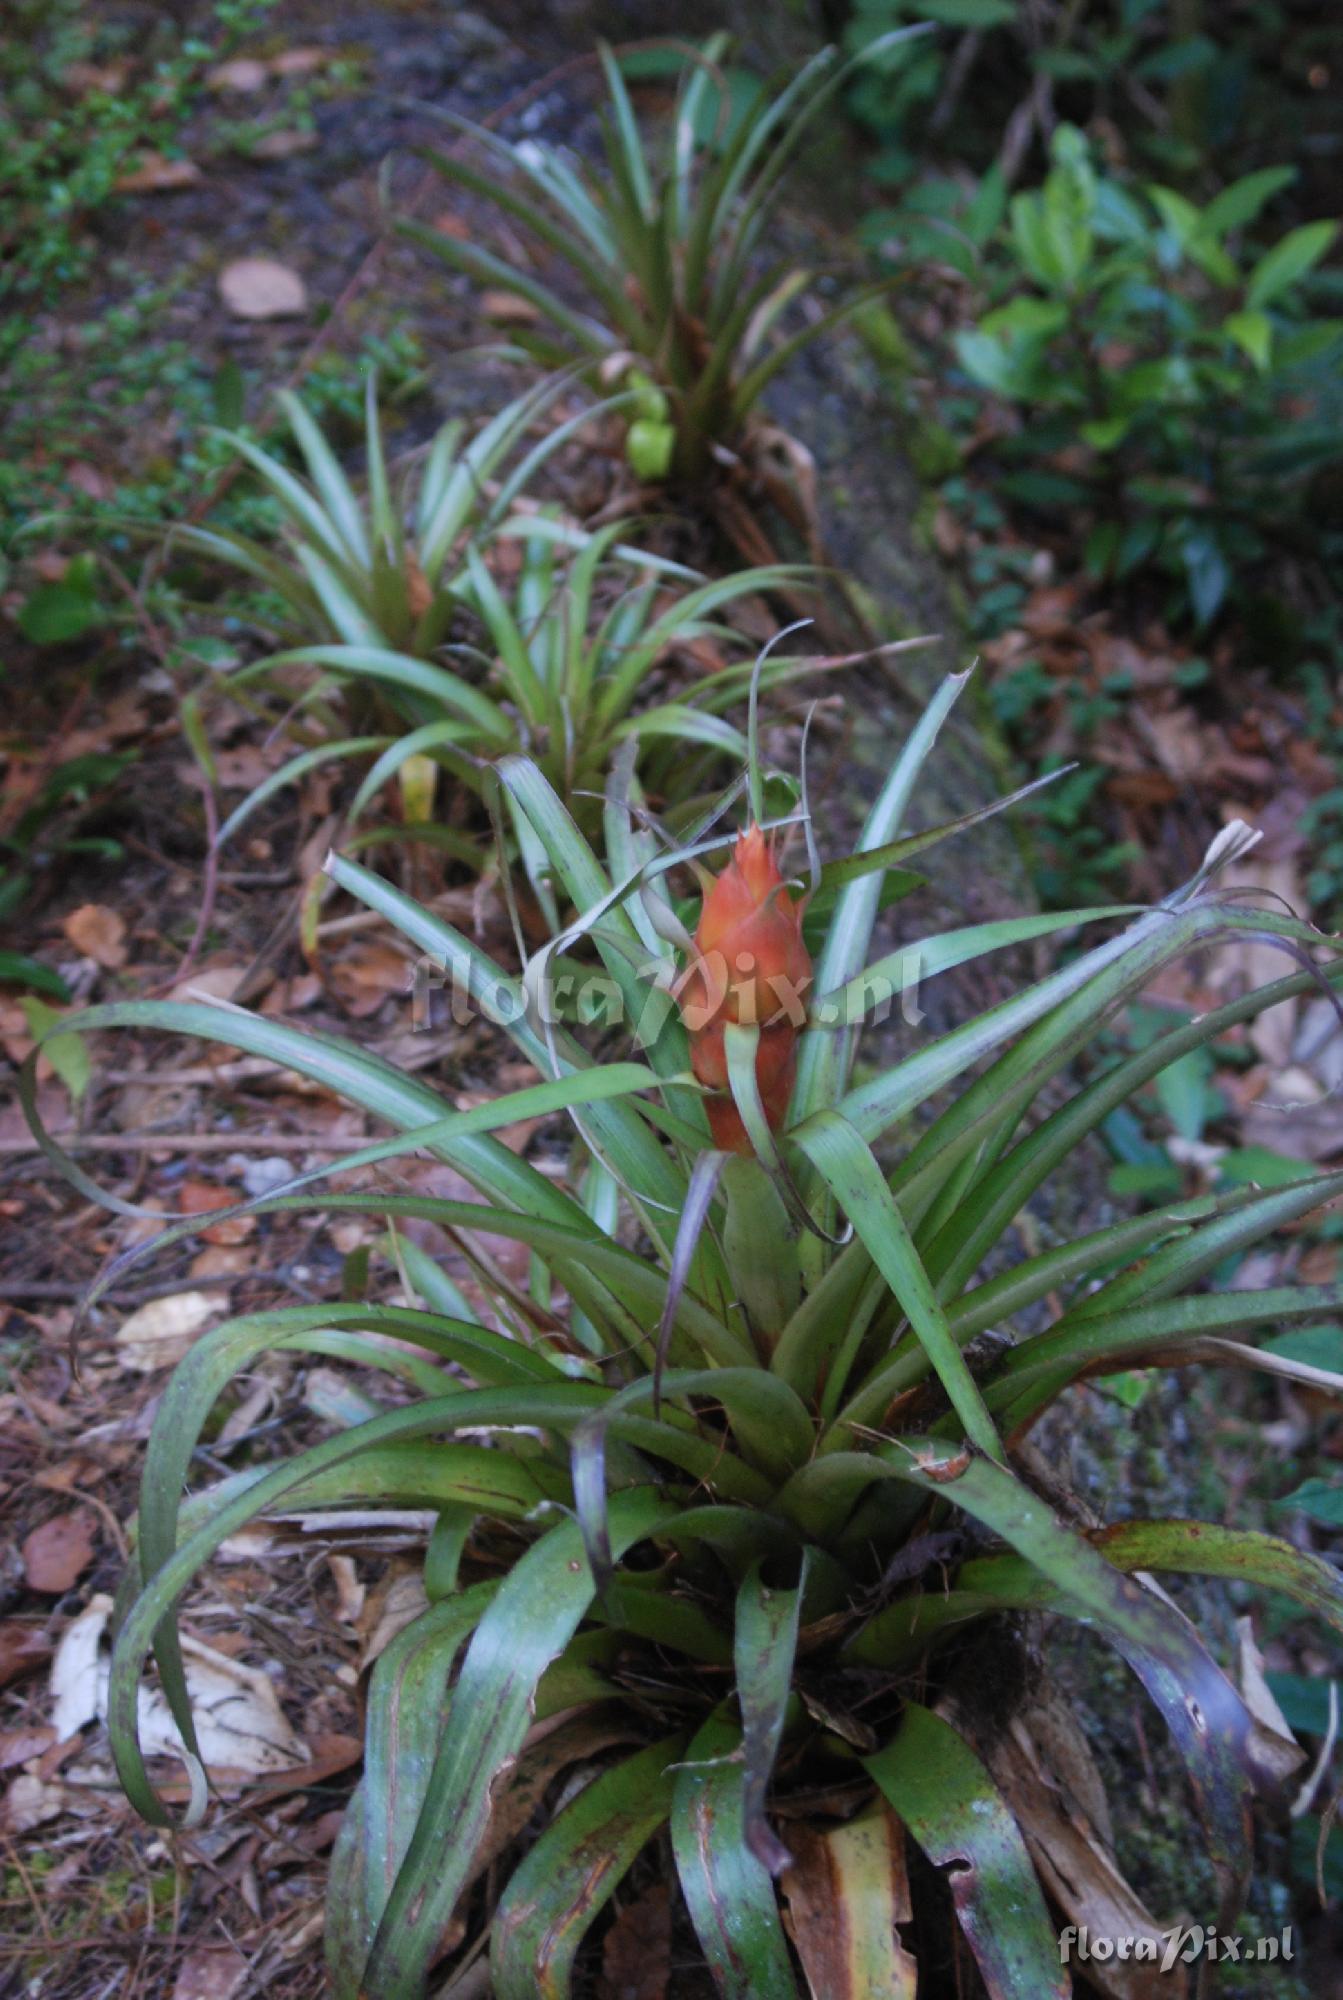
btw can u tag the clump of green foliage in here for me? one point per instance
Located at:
(758, 1494)
(1174, 369)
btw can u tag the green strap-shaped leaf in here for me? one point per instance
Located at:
(865, 860)
(203, 1373)
(825, 1056)
(631, 142)
(1179, 1265)
(1108, 972)
(685, 725)
(144, 1622)
(403, 1726)
(573, 1254)
(342, 1067)
(1011, 1583)
(597, 1086)
(641, 1163)
(586, 335)
(533, 1617)
(728, 1892)
(637, 658)
(772, 1429)
(954, 1810)
(1210, 1722)
(601, 278)
(738, 1536)
(1030, 1376)
(454, 488)
(764, 1650)
(923, 959)
(1056, 1269)
(239, 552)
(569, 1876)
(337, 494)
(847, 1167)
(588, 883)
(299, 502)
(1201, 1548)
(290, 773)
(380, 663)
(1005, 1190)
(416, 743)
(645, 1605)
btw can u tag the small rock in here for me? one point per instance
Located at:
(262, 1176)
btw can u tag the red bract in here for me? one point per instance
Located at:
(750, 967)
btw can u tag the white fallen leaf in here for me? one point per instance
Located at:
(74, 1671)
(349, 1590)
(298, 62)
(262, 288)
(248, 1544)
(240, 1725)
(1259, 1697)
(239, 1722)
(158, 1334)
(1275, 1746)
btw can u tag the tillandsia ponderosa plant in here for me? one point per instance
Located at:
(758, 1475)
(408, 633)
(662, 242)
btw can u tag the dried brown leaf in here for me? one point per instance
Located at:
(283, 145)
(200, 1197)
(211, 1972)
(98, 932)
(156, 173)
(56, 1554)
(636, 1955)
(301, 61)
(26, 1741)
(29, 1802)
(365, 976)
(244, 73)
(508, 309)
(848, 1893)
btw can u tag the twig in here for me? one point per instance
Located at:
(958, 75)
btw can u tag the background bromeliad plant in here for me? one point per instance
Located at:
(461, 619)
(760, 1468)
(663, 248)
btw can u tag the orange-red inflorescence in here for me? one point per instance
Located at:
(750, 967)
